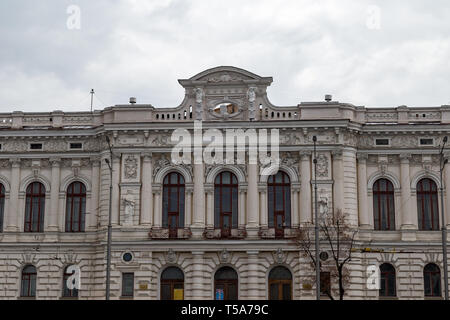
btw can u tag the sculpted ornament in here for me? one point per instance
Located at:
(322, 166)
(161, 163)
(131, 167)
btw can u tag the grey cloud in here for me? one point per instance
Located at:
(140, 48)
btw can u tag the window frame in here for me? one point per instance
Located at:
(167, 214)
(272, 211)
(29, 197)
(73, 293)
(433, 200)
(428, 279)
(219, 187)
(280, 283)
(29, 278)
(123, 293)
(388, 194)
(387, 276)
(71, 197)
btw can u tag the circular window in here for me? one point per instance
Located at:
(127, 257)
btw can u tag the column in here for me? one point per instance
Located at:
(338, 177)
(54, 195)
(197, 275)
(157, 212)
(188, 216)
(146, 192)
(252, 276)
(295, 188)
(263, 205)
(305, 188)
(198, 224)
(252, 200)
(409, 220)
(209, 206)
(93, 215)
(13, 216)
(115, 190)
(362, 191)
(447, 192)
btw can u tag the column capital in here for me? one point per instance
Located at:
(15, 162)
(304, 154)
(405, 157)
(337, 154)
(55, 162)
(362, 157)
(95, 160)
(146, 156)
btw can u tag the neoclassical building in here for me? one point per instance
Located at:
(206, 231)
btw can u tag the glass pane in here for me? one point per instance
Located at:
(226, 273)
(279, 199)
(270, 208)
(280, 273)
(165, 292)
(226, 178)
(226, 199)
(286, 291)
(127, 284)
(217, 208)
(232, 292)
(436, 284)
(273, 291)
(181, 208)
(172, 273)
(235, 207)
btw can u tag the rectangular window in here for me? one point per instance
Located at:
(76, 146)
(382, 142)
(35, 146)
(325, 283)
(127, 284)
(427, 142)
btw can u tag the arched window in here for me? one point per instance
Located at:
(387, 281)
(172, 284)
(35, 207)
(280, 284)
(173, 203)
(226, 203)
(226, 284)
(427, 205)
(28, 283)
(383, 205)
(279, 202)
(2, 205)
(432, 280)
(75, 207)
(66, 291)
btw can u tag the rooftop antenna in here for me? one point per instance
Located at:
(92, 98)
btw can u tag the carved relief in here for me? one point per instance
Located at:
(322, 166)
(160, 163)
(131, 167)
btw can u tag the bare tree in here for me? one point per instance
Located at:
(336, 237)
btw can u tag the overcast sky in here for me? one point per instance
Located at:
(372, 53)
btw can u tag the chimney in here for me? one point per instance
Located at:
(328, 97)
(132, 100)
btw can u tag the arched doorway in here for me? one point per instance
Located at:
(226, 284)
(172, 284)
(280, 284)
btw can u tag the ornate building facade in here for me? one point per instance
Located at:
(204, 230)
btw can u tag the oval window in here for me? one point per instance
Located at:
(225, 108)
